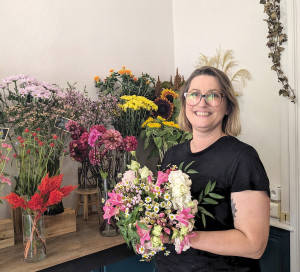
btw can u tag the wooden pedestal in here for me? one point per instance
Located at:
(7, 237)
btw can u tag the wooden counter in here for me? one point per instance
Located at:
(85, 241)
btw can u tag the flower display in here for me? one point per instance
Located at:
(162, 134)
(134, 95)
(33, 154)
(49, 192)
(5, 149)
(148, 208)
(100, 148)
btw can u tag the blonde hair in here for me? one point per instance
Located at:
(231, 124)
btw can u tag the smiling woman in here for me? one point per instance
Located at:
(237, 236)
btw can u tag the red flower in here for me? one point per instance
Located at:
(38, 129)
(19, 138)
(41, 143)
(55, 197)
(52, 144)
(49, 184)
(28, 151)
(33, 134)
(22, 141)
(26, 130)
(54, 137)
(66, 190)
(36, 138)
(36, 203)
(15, 155)
(15, 201)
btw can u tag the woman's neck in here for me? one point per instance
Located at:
(201, 141)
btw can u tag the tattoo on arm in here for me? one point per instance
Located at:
(233, 209)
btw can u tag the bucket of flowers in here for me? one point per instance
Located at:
(151, 209)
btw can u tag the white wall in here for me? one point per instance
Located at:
(72, 41)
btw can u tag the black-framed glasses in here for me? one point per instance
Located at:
(211, 98)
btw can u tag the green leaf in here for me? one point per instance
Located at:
(202, 210)
(142, 226)
(146, 144)
(203, 220)
(158, 142)
(209, 201)
(216, 196)
(191, 171)
(207, 188)
(180, 166)
(186, 168)
(213, 186)
(200, 197)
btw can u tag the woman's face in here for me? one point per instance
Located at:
(203, 117)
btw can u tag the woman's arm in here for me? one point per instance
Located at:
(251, 214)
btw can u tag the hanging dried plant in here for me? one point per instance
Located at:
(276, 39)
(224, 61)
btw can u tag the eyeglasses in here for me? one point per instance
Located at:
(213, 99)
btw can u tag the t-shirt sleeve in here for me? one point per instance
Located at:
(248, 172)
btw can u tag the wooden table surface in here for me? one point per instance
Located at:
(86, 240)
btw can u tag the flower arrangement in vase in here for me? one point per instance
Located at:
(101, 149)
(49, 192)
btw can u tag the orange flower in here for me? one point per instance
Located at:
(111, 70)
(96, 78)
(123, 67)
(134, 79)
(147, 82)
(121, 72)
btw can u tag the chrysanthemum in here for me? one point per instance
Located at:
(112, 139)
(72, 126)
(169, 94)
(165, 108)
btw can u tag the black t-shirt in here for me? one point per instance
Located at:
(235, 166)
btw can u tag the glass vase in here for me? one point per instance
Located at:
(108, 229)
(87, 179)
(34, 240)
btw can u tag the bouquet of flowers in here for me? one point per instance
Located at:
(4, 152)
(49, 193)
(148, 208)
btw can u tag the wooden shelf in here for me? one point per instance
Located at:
(85, 241)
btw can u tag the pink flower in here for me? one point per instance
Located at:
(184, 216)
(115, 199)
(94, 156)
(184, 244)
(94, 135)
(4, 179)
(130, 143)
(109, 211)
(161, 178)
(112, 139)
(144, 234)
(100, 128)
(5, 145)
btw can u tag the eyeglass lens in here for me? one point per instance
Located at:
(211, 98)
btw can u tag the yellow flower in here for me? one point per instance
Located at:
(150, 119)
(153, 125)
(171, 124)
(169, 94)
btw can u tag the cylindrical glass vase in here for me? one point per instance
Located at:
(34, 240)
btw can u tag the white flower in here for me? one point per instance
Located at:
(145, 172)
(148, 199)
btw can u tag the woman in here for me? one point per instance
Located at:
(237, 236)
